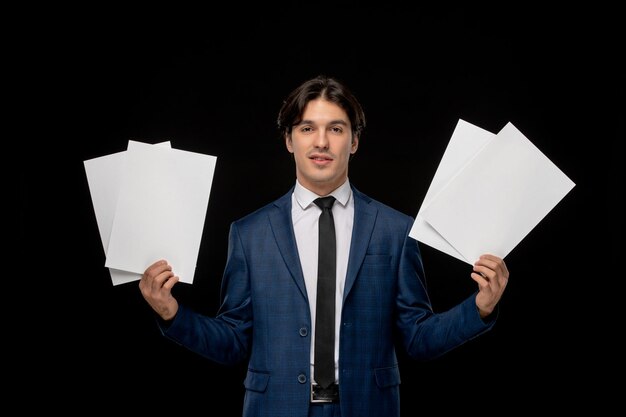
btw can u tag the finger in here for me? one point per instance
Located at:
(480, 279)
(154, 273)
(496, 283)
(157, 282)
(488, 261)
(485, 272)
(173, 280)
(157, 268)
(494, 262)
(487, 277)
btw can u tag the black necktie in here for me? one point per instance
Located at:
(324, 361)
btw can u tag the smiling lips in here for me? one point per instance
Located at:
(320, 159)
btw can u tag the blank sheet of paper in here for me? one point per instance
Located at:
(498, 197)
(104, 179)
(161, 208)
(464, 144)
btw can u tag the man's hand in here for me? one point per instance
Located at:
(156, 287)
(491, 274)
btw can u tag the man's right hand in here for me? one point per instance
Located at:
(156, 287)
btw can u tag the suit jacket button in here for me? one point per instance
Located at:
(302, 378)
(303, 331)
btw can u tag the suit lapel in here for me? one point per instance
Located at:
(281, 224)
(364, 219)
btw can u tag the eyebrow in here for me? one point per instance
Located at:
(332, 122)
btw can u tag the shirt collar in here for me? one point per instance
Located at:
(305, 197)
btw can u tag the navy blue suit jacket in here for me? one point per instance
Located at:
(265, 316)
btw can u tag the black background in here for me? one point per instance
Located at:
(212, 82)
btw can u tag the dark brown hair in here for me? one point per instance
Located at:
(328, 88)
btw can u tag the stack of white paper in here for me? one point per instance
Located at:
(150, 203)
(488, 193)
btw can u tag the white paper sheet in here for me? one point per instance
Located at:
(464, 144)
(161, 209)
(104, 179)
(498, 197)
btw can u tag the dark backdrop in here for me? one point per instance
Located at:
(214, 85)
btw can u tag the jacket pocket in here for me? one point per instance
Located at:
(256, 381)
(387, 377)
(373, 259)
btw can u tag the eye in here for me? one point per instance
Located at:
(336, 129)
(306, 129)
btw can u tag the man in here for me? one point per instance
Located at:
(268, 309)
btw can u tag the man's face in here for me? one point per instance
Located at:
(322, 144)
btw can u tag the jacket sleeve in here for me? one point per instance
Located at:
(225, 338)
(427, 334)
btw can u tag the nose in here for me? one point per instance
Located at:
(321, 139)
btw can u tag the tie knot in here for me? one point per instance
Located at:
(325, 202)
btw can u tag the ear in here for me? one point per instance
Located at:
(288, 142)
(355, 144)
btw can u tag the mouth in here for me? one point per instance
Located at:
(321, 159)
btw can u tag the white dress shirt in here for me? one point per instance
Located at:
(305, 216)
